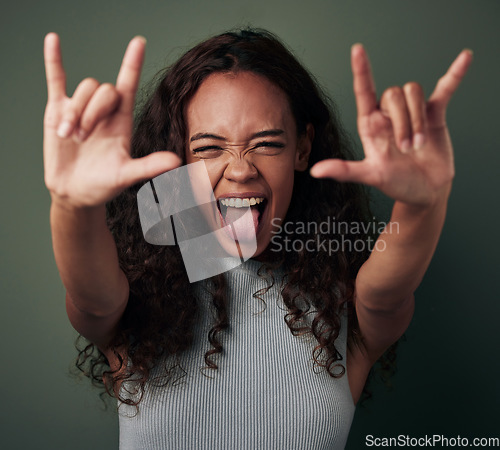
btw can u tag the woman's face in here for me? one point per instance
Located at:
(242, 127)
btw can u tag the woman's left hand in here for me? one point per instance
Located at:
(408, 151)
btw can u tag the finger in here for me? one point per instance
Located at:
(75, 107)
(414, 95)
(140, 169)
(130, 73)
(393, 104)
(56, 78)
(345, 171)
(105, 100)
(364, 86)
(449, 82)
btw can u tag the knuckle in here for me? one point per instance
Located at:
(108, 90)
(108, 95)
(103, 102)
(391, 95)
(91, 80)
(413, 88)
(393, 92)
(89, 83)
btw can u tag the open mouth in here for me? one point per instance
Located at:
(243, 215)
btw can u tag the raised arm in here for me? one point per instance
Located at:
(87, 163)
(409, 157)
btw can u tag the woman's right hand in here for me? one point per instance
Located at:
(87, 137)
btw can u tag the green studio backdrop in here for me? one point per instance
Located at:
(447, 379)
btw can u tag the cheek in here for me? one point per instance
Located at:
(284, 194)
(280, 178)
(215, 170)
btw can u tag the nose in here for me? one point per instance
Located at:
(240, 170)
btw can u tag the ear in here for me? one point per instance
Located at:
(304, 146)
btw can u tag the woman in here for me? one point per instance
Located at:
(242, 104)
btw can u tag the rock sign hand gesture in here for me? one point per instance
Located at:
(408, 151)
(87, 137)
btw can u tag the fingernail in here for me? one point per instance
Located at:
(418, 141)
(64, 129)
(143, 38)
(469, 51)
(406, 146)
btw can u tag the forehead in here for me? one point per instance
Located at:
(238, 103)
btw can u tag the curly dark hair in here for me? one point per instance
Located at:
(161, 312)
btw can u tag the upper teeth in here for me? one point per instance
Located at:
(241, 202)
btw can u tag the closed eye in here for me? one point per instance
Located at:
(265, 148)
(268, 148)
(269, 144)
(205, 148)
(260, 144)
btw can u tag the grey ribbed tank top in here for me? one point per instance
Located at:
(264, 395)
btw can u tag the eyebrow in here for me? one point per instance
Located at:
(260, 134)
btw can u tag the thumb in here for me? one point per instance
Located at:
(344, 171)
(150, 166)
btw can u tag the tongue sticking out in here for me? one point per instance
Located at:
(243, 221)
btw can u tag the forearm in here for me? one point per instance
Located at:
(87, 259)
(402, 254)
